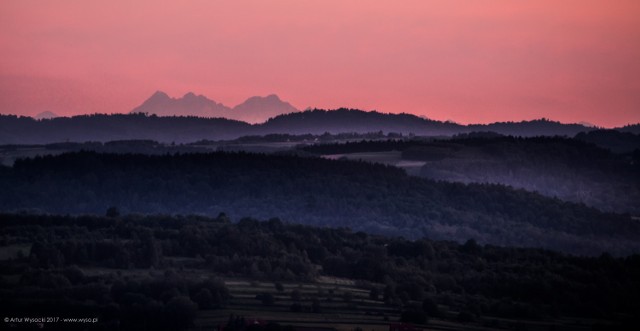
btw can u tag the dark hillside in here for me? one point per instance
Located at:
(571, 169)
(369, 197)
(319, 121)
(613, 140)
(101, 127)
(631, 128)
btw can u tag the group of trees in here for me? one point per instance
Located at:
(418, 276)
(161, 301)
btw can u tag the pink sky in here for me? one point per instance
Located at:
(466, 61)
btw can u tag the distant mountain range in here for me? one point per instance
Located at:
(253, 110)
(100, 127)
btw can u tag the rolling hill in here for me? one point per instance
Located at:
(367, 197)
(101, 127)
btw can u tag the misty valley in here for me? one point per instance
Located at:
(416, 224)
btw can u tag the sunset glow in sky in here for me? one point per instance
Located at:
(466, 61)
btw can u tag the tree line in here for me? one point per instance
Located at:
(367, 197)
(421, 278)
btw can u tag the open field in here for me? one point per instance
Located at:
(359, 312)
(335, 312)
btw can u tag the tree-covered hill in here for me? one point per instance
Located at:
(369, 197)
(631, 128)
(102, 127)
(575, 170)
(158, 272)
(613, 140)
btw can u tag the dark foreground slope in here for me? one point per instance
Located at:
(369, 197)
(164, 273)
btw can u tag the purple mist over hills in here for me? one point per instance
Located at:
(256, 109)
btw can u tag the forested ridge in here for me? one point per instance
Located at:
(72, 263)
(369, 197)
(103, 127)
(571, 169)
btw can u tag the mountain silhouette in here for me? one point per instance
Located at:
(189, 105)
(45, 115)
(259, 109)
(254, 110)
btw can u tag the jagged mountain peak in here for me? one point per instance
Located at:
(159, 95)
(259, 109)
(190, 104)
(268, 99)
(191, 95)
(255, 109)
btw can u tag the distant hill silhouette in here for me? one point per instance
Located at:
(614, 140)
(631, 128)
(254, 110)
(100, 127)
(539, 127)
(318, 121)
